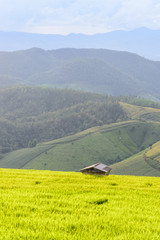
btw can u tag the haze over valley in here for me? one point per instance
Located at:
(142, 41)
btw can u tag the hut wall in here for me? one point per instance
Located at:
(94, 171)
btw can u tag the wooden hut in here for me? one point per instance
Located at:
(97, 169)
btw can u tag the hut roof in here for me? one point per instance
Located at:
(99, 166)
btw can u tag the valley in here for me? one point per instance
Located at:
(79, 120)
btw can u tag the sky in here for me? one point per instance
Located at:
(78, 16)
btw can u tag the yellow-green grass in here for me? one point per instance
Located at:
(67, 206)
(153, 156)
(135, 112)
(154, 150)
(157, 158)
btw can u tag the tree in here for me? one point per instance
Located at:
(32, 143)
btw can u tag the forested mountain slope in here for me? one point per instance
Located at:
(29, 114)
(98, 70)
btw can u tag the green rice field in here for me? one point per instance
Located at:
(71, 206)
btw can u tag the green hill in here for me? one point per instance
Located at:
(31, 114)
(38, 114)
(147, 159)
(137, 166)
(66, 130)
(98, 70)
(108, 144)
(90, 74)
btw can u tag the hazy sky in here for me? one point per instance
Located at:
(78, 16)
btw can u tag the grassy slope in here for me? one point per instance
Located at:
(59, 205)
(139, 112)
(153, 156)
(70, 153)
(135, 165)
(107, 144)
(110, 144)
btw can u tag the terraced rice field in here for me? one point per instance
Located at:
(59, 205)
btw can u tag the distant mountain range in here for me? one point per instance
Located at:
(143, 41)
(94, 70)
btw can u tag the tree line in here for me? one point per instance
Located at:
(30, 115)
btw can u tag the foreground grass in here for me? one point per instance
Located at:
(59, 205)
